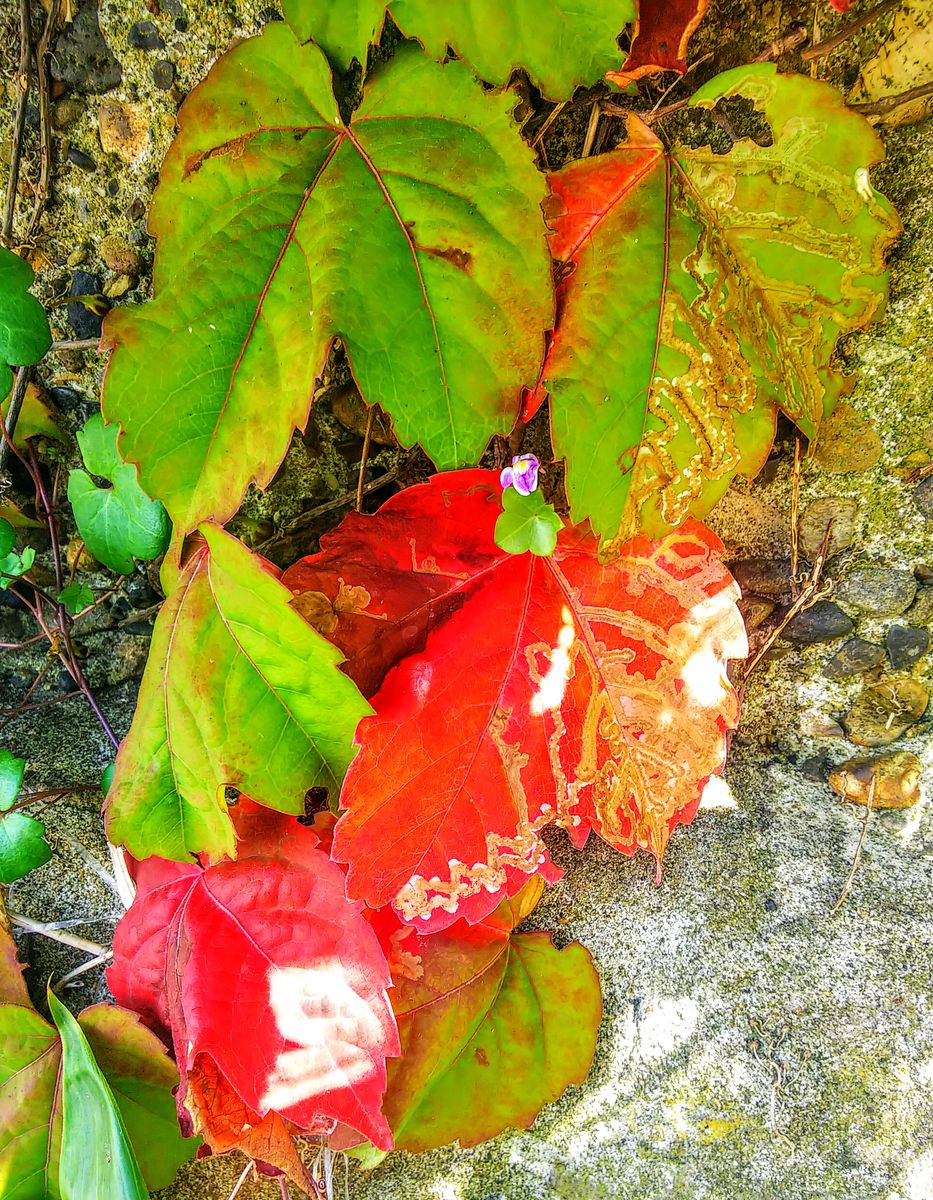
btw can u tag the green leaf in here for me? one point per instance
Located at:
(76, 597)
(527, 523)
(106, 778)
(97, 1158)
(12, 770)
(14, 565)
(706, 291)
(560, 43)
(24, 329)
(227, 643)
(118, 523)
(7, 538)
(22, 846)
(414, 235)
(493, 1026)
(35, 420)
(135, 1064)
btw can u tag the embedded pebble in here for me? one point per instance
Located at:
(144, 36)
(924, 573)
(163, 74)
(81, 160)
(84, 323)
(854, 657)
(755, 610)
(923, 498)
(81, 57)
(818, 725)
(817, 516)
(120, 256)
(884, 712)
(821, 622)
(896, 778)
(880, 591)
(906, 645)
(921, 611)
(764, 576)
(124, 130)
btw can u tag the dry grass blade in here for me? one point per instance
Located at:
(858, 849)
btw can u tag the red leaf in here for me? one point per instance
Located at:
(548, 690)
(663, 29)
(841, 6)
(269, 980)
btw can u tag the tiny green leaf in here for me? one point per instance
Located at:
(76, 597)
(7, 538)
(14, 565)
(527, 523)
(106, 778)
(119, 523)
(24, 329)
(22, 846)
(11, 778)
(97, 1158)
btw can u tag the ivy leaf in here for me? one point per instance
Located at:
(90, 1118)
(24, 329)
(118, 523)
(202, 952)
(493, 1026)
(528, 523)
(76, 597)
(12, 770)
(534, 691)
(226, 641)
(23, 847)
(560, 43)
(34, 1083)
(706, 290)
(12, 563)
(413, 234)
(662, 31)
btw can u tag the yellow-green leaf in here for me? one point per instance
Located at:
(239, 691)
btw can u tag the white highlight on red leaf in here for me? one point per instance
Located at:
(550, 693)
(337, 1035)
(720, 635)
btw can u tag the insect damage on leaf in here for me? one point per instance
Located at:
(705, 291)
(543, 691)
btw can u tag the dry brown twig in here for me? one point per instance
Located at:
(21, 80)
(870, 800)
(821, 49)
(45, 119)
(367, 438)
(795, 517)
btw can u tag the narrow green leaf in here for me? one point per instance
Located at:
(560, 43)
(12, 770)
(97, 1158)
(527, 523)
(414, 234)
(227, 641)
(76, 597)
(118, 523)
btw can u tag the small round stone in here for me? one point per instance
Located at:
(896, 777)
(882, 713)
(120, 256)
(879, 591)
(144, 36)
(821, 622)
(906, 645)
(163, 74)
(921, 611)
(854, 657)
(923, 498)
(81, 160)
(815, 520)
(764, 576)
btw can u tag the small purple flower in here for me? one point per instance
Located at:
(522, 474)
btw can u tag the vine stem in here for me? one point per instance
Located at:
(12, 416)
(19, 120)
(45, 121)
(56, 935)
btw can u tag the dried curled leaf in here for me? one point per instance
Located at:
(704, 291)
(662, 31)
(534, 691)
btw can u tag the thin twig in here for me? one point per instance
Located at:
(804, 600)
(795, 517)
(549, 121)
(593, 125)
(820, 49)
(858, 849)
(76, 971)
(367, 438)
(24, 708)
(45, 119)
(12, 416)
(56, 935)
(19, 120)
(309, 517)
(878, 108)
(790, 41)
(239, 1183)
(75, 344)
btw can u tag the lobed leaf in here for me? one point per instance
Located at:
(226, 642)
(118, 523)
(662, 30)
(268, 944)
(413, 234)
(560, 43)
(125, 1060)
(705, 291)
(493, 1026)
(532, 691)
